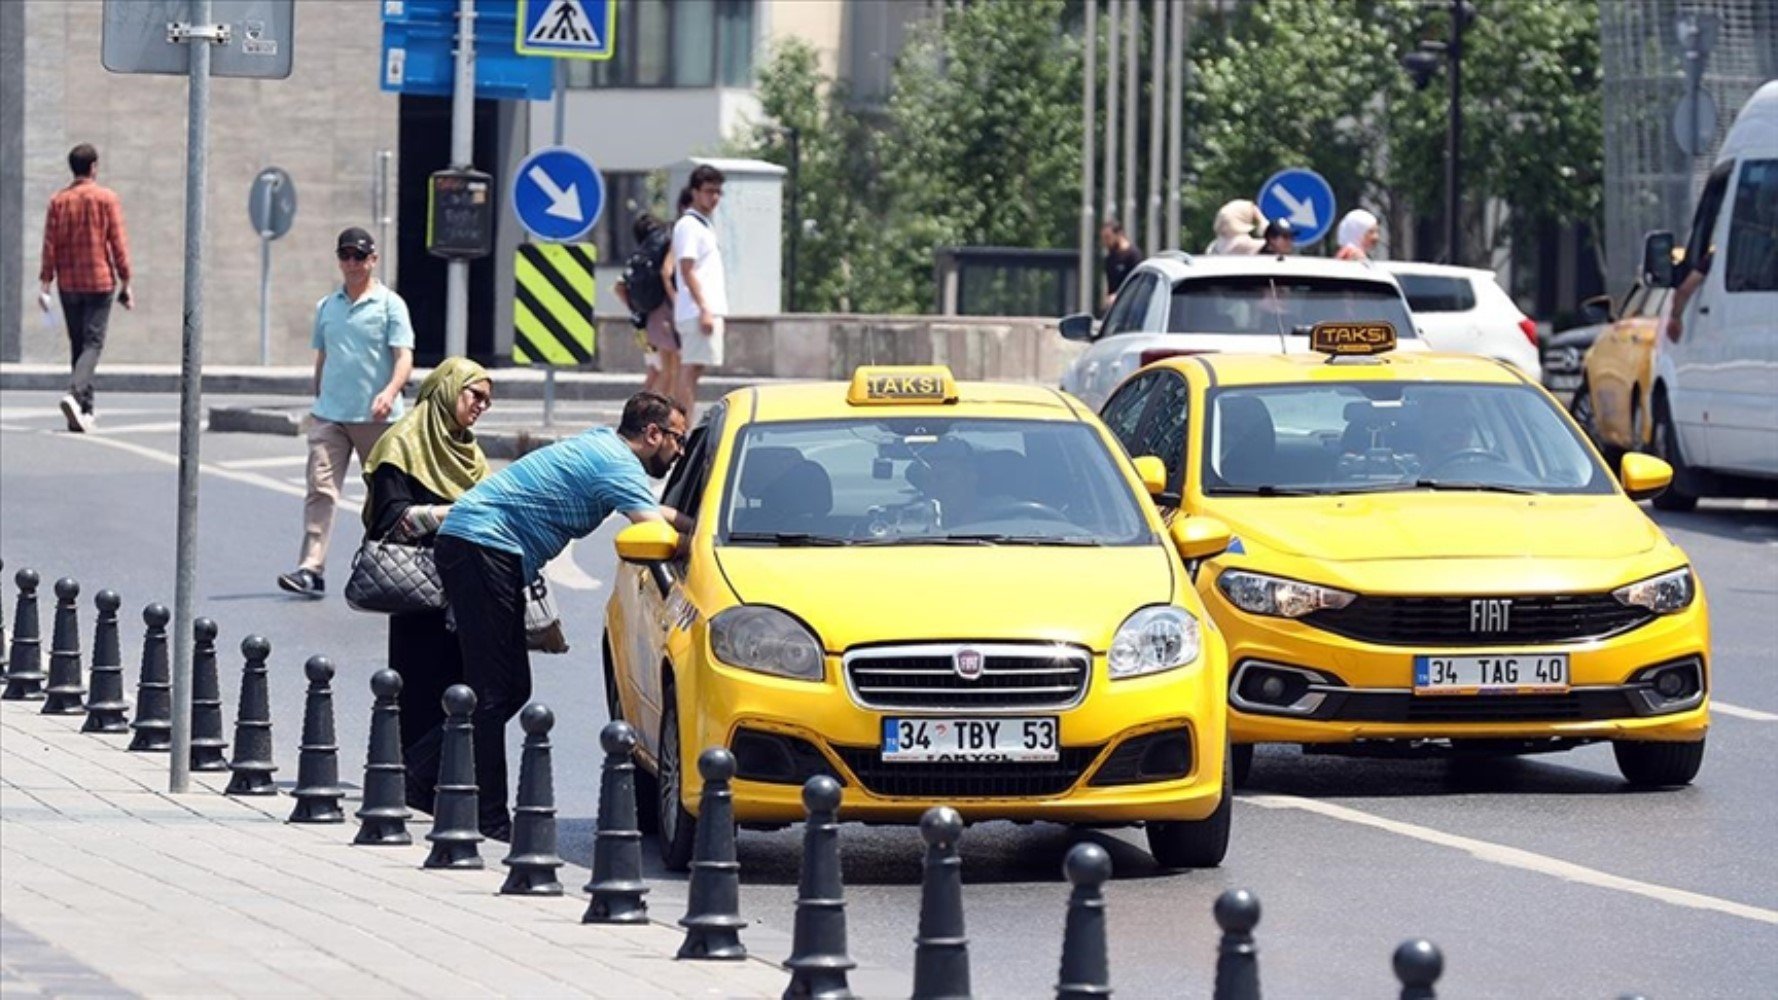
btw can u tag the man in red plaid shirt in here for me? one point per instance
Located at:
(86, 254)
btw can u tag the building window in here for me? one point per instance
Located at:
(675, 43)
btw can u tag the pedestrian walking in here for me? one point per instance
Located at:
(364, 353)
(1279, 239)
(1238, 225)
(86, 256)
(1359, 234)
(643, 291)
(427, 460)
(701, 305)
(499, 536)
(1120, 257)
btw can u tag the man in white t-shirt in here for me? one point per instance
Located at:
(702, 300)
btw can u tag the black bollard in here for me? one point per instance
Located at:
(1418, 964)
(383, 814)
(207, 745)
(154, 688)
(456, 804)
(106, 709)
(941, 951)
(818, 961)
(712, 918)
(1086, 962)
(318, 790)
(253, 765)
(616, 886)
(1237, 959)
(24, 655)
(532, 861)
(67, 684)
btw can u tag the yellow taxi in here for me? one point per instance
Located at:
(1427, 555)
(935, 592)
(1612, 403)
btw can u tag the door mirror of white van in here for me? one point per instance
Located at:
(1077, 327)
(1643, 476)
(1657, 259)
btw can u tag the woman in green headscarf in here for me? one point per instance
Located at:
(421, 465)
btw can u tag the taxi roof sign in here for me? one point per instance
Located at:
(1340, 339)
(890, 385)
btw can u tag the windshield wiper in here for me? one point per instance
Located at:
(785, 538)
(924, 540)
(1262, 491)
(995, 538)
(1452, 485)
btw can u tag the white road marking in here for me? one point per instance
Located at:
(1513, 857)
(171, 425)
(565, 572)
(1742, 713)
(249, 478)
(38, 412)
(265, 463)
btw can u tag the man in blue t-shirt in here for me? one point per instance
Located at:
(498, 537)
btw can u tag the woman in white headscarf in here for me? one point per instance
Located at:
(1359, 235)
(1238, 225)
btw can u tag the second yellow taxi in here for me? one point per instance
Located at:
(1427, 555)
(934, 592)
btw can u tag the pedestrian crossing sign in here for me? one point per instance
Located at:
(567, 29)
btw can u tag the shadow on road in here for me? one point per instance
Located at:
(1282, 770)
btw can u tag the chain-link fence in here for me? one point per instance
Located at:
(1650, 182)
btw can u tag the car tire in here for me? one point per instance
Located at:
(1580, 407)
(1241, 764)
(676, 828)
(1200, 843)
(1677, 495)
(1658, 765)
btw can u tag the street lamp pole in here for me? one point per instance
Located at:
(1454, 137)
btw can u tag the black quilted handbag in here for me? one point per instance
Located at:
(394, 579)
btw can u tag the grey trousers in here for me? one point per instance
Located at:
(87, 314)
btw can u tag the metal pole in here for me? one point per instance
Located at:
(1132, 62)
(796, 214)
(380, 208)
(1089, 86)
(1157, 76)
(561, 115)
(265, 300)
(1175, 117)
(191, 374)
(462, 156)
(1108, 199)
(1454, 138)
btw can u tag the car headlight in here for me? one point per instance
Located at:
(755, 637)
(1276, 596)
(1664, 594)
(1152, 640)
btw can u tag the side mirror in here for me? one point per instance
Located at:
(1153, 473)
(1644, 476)
(1199, 537)
(1598, 309)
(647, 542)
(1079, 326)
(1657, 259)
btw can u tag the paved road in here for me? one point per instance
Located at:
(1544, 878)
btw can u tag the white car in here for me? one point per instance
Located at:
(1176, 303)
(1463, 310)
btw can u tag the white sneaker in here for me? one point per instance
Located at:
(78, 420)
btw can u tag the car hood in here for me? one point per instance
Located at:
(914, 593)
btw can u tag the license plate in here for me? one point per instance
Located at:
(1030, 740)
(1510, 673)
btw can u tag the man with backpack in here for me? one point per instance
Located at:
(644, 293)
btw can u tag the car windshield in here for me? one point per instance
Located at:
(1278, 306)
(1367, 437)
(920, 480)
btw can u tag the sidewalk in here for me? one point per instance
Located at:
(111, 887)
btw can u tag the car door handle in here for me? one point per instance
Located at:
(1703, 310)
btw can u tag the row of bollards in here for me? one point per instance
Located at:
(818, 963)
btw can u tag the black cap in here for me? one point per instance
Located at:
(1279, 227)
(356, 239)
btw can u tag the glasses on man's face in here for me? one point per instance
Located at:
(353, 255)
(678, 438)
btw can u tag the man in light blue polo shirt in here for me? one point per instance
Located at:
(364, 352)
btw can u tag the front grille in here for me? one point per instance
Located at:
(961, 779)
(925, 677)
(1445, 621)
(1404, 706)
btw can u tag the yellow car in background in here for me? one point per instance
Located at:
(1617, 375)
(1427, 554)
(938, 593)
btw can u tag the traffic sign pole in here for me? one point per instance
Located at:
(462, 155)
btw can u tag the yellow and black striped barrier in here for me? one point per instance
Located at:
(552, 315)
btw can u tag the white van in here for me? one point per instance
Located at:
(1715, 395)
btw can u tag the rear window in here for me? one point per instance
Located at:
(1437, 293)
(1274, 306)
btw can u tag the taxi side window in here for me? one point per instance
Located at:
(1124, 410)
(685, 487)
(1163, 434)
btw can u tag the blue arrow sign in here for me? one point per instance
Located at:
(1302, 196)
(557, 194)
(575, 29)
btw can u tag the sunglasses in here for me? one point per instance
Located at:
(482, 397)
(352, 255)
(678, 438)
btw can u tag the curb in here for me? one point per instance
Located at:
(503, 444)
(515, 383)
